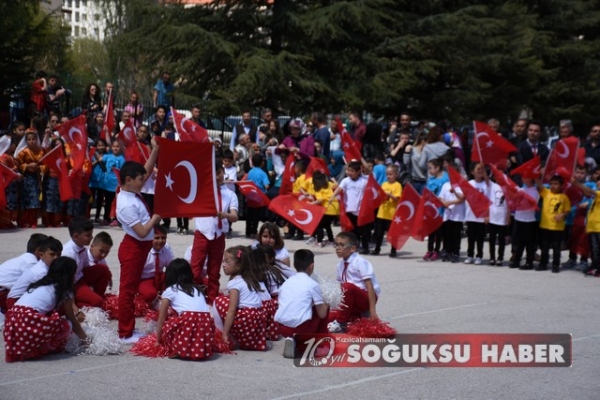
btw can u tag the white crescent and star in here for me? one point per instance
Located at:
(305, 221)
(375, 193)
(193, 181)
(126, 132)
(73, 131)
(411, 208)
(565, 148)
(430, 204)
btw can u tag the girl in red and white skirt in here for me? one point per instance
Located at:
(241, 312)
(33, 326)
(190, 334)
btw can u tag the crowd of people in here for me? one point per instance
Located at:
(266, 297)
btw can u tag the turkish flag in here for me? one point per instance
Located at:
(316, 164)
(372, 199)
(188, 130)
(7, 175)
(428, 215)
(345, 222)
(55, 160)
(489, 147)
(350, 148)
(254, 196)
(574, 194)
(117, 173)
(478, 202)
(562, 159)
(186, 183)
(529, 170)
(402, 225)
(127, 136)
(516, 199)
(289, 176)
(74, 132)
(109, 121)
(303, 215)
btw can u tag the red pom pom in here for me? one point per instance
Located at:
(151, 315)
(111, 305)
(220, 346)
(147, 347)
(368, 328)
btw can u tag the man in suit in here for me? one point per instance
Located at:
(532, 147)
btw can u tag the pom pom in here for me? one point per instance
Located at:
(95, 316)
(102, 340)
(220, 346)
(111, 305)
(147, 347)
(331, 290)
(368, 328)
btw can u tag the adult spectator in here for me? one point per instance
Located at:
(91, 103)
(95, 127)
(335, 139)
(159, 120)
(196, 114)
(412, 161)
(302, 146)
(56, 94)
(565, 129)
(435, 147)
(163, 92)
(359, 129)
(371, 141)
(39, 92)
(245, 126)
(275, 131)
(322, 133)
(135, 109)
(404, 126)
(592, 145)
(125, 117)
(532, 146)
(518, 134)
(242, 153)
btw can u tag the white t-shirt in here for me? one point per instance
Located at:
(12, 269)
(296, 298)
(42, 299)
(264, 295)
(483, 188)
(71, 250)
(248, 298)
(286, 273)
(131, 210)
(230, 175)
(208, 226)
(357, 271)
(455, 212)
(181, 302)
(498, 209)
(33, 274)
(526, 216)
(282, 254)
(165, 256)
(353, 193)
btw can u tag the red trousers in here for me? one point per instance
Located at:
(3, 295)
(90, 289)
(132, 256)
(313, 325)
(147, 290)
(354, 305)
(213, 249)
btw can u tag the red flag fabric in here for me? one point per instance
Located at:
(316, 164)
(574, 194)
(516, 199)
(254, 196)
(109, 120)
(478, 202)
(188, 130)
(303, 215)
(372, 199)
(350, 148)
(345, 222)
(117, 173)
(7, 175)
(529, 169)
(289, 176)
(489, 147)
(186, 170)
(428, 216)
(74, 132)
(55, 160)
(562, 159)
(402, 226)
(132, 151)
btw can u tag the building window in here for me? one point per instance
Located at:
(84, 17)
(96, 17)
(97, 33)
(76, 17)
(76, 3)
(76, 31)
(69, 3)
(83, 31)
(84, 3)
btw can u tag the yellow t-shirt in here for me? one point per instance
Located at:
(553, 204)
(593, 218)
(387, 209)
(325, 195)
(301, 183)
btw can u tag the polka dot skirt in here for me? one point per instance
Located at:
(270, 308)
(249, 325)
(189, 335)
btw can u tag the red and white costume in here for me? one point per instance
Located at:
(153, 275)
(10, 271)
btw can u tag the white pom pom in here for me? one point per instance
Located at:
(102, 341)
(148, 327)
(95, 316)
(331, 290)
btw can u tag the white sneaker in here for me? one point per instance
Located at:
(335, 327)
(289, 348)
(311, 240)
(478, 261)
(133, 338)
(469, 260)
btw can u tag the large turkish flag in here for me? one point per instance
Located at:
(303, 215)
(74, 132)
(402, 226)
(254, 196)
(55, 160)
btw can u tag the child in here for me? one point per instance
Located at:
(9, 214)
(322, 191)
(300, 187)
(379, 168)
(134, 216)
(209, 238)
(269, 234)
(475, 225)
(301, 306)
(51, 193)
(98, 171)
(28, 161)
(555, 208)
(592, 227)
(241, 312)
(387, 209)
(437, 178)
(359, 285)
(275, 272)
(190, 334)
(49, 251)
(12, 269)
(498, 223)
(109, 183)
(230, 177)
(260, 178)
(454, 215)
(153, 276)
(261, 264)
(525, 231)
(37, 308)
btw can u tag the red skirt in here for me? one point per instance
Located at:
(270, 308)
(249, 325)
(29, 334)
(189, 335)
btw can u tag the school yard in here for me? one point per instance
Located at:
(417, 297)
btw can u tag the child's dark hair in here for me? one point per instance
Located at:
(16, 124)
(257, 160)
(61, 274)
(131, 169)
(474, 165)
(219, 166)
(102, 141)
(558, 178)
(436, 162)
(80, 225)
(227, 154)
(179, 272)
(301, 165)
(319, 180)
(104, 238)
(354, 165)
(52, 244)
(248, 271)
(303, 258)
(379, 157)
(275, 233)
(170, 127)
(352, 239)
(161, 229)
(272, 275)
(583, 167)
(35, 241)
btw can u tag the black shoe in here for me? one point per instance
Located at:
(298, 237)
(526, 267)
(364, 251)
(555, 269)
(392, 254)
(513, 265)
(228, 235)
(288, 236)
(375, 252)
(542, 268)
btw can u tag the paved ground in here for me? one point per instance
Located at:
(417, 297)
